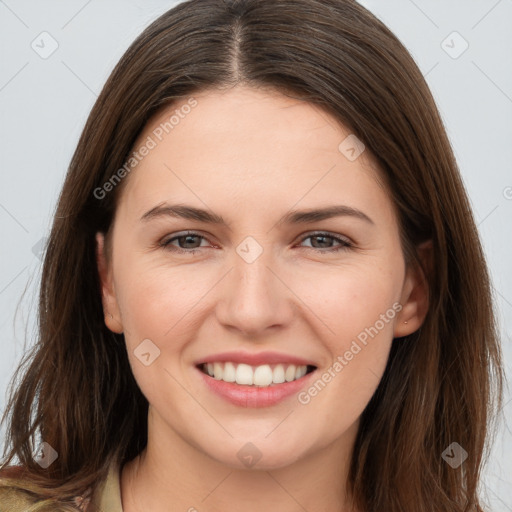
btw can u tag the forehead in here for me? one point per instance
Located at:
(248, 115)
(252, 146)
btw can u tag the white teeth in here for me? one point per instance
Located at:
(229, 372)
(263, 375)
(300, 372)
(217, 371)
(278, 374)
(289, 375)
(244, 374)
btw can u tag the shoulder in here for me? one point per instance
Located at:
(14, 500)
(11, 498)
(15, 495)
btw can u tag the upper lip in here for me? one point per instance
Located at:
(255, 359)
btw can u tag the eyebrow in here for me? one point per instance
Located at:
(293, 217)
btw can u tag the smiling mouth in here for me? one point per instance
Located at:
(265, 375)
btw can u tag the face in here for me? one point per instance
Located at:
(293, 314)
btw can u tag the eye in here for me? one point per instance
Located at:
(327, 238)
(191, 247)
(185, 239)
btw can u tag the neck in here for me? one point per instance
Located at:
(172, 472)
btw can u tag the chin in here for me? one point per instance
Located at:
(259, 454)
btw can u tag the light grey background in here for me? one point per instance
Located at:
(44, 103)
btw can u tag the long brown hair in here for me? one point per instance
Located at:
(442, 383)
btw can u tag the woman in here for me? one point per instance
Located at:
(259, 367)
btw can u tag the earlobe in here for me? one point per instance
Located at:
(415, 294)
(108, 297)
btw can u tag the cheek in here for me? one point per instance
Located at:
(156, 300)
(359, 307)
(159, 305)
(348, 300)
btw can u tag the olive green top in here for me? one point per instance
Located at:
(106, 499)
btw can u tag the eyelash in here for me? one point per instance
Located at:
(345, 244)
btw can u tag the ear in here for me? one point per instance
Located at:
(108, 296)
(415, 294)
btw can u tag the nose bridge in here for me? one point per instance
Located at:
(255, 297)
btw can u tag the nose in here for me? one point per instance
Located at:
(254, 298)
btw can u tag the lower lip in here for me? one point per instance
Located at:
(254, 396)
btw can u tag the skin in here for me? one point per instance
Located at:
(252, 156)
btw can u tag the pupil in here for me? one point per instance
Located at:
(321, 237)
(187, 239)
